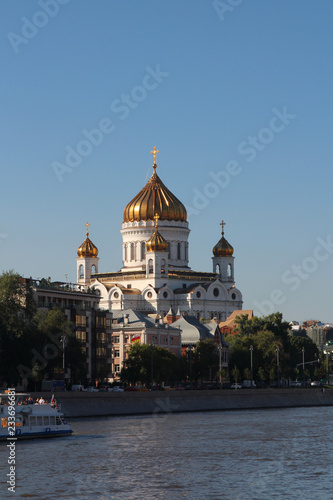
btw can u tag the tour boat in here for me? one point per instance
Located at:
(30, 420)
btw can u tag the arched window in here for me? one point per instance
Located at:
(132, 251)
(229, 271)
(93, 269)
(125, 253)
(162, 266)
(169, 250)
(218, 269)
(81, 272)
(186, 252)
(178, 251)
(150, 266)
(143, 250)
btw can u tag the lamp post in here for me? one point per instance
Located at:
(303, 351)
(189, 351)
(251, 354)
(152, 362)
(63, 340)
(278, 365)
(219, 348)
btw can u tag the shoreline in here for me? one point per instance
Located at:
(83, 404)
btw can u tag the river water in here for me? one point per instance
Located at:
(236, 455)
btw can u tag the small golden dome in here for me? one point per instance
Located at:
(156, 243)
(87, 249)
(155, 198)
(223, 247)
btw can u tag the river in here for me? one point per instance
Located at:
(234, 455)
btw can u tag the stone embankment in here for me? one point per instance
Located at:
(83, 404)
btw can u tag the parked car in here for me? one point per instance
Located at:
(296, 384)
(92, 389)
(316, 383)
(117, 388)
(236, 386)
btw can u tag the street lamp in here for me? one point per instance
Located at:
(63, 339)
(278, 364)
(152, 362)
(219, 348)
(189, 351)
(303, 351)
(251, 353)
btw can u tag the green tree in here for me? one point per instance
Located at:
(205, 360)
(235, 373)
(16, 325)
(137, 367)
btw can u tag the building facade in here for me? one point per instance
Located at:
(155, 275)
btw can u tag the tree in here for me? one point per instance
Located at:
(137, 367)
(235, 373)
(17, 308)
(205, 360)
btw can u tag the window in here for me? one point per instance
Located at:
(125, 253)
(81, 272)
(116, 340)
(132, 251)
(165, 295)
(93, 269)
(150, 266)
(52, 420)
(116, 354)
(198, 294)
(32, 420)
(45, 420)
(233, 296)
(143, 250)
(216, 292)
(178, 251)
(229, 271)
(115, 295)
(117, 368)
(149, 295)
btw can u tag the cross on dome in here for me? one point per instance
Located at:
(156, 217)
(87, 226)
(222, 224)
(154, 152)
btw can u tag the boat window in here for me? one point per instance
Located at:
(52, 420)
(3, 422)
(58, 420)
(39, 420)
(45, 420)
(32, 420)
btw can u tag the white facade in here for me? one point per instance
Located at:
(154, 281)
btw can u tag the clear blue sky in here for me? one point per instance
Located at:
(222, 78)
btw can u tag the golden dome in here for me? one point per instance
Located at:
(87, 249)
(155, 198)
(223, 247)
(156, 243)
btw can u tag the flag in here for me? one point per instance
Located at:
(137, 338)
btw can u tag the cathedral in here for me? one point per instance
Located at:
(156, 277)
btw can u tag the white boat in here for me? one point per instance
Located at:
(30, 420)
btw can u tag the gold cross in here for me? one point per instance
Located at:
(223, 224)
(154, 152)
(87, 226)
(156, 217)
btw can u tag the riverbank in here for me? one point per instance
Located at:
(85, 404)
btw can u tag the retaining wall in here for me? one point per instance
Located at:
(83, 404)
